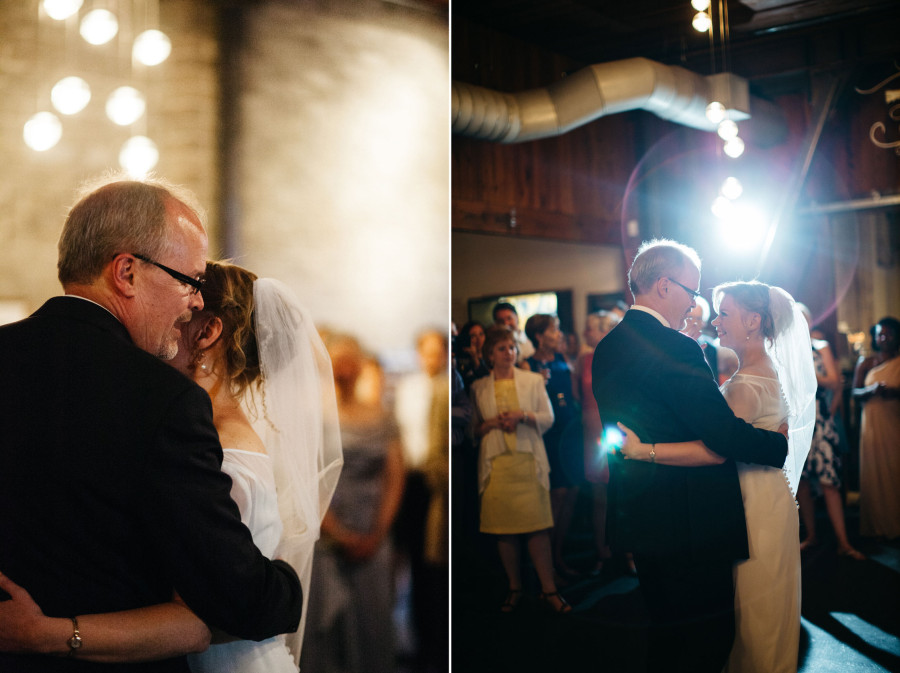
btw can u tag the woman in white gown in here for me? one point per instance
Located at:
(257, 354)
(774, 384)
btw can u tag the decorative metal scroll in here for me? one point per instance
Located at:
(891, 96)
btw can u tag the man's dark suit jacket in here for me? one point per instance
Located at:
(655, 381)
(111, 493)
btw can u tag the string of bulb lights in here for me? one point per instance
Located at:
(72, 94)
(723, 206)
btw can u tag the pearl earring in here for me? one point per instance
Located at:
(200, 358)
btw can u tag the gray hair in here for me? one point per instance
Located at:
(115, 215)
(657, 258)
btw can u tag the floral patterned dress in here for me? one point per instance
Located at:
(823, 465)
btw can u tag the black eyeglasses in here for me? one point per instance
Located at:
(196, 283)
(691, 292)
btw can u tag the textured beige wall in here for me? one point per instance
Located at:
(343, 151)
(344, 163)
(36, 189)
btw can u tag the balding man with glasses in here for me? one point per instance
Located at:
(684, 525)
(111, 494)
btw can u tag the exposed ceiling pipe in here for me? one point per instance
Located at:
(603, 89)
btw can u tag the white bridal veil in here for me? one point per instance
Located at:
(296, 416)
(792, 353)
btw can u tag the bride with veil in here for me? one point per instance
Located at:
(255, 350)
(774, 385)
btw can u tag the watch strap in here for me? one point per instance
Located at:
(75, 641)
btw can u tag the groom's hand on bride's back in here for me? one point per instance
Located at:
(783, 429)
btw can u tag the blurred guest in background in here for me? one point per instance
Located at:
(696, 326)
(822, 473)
(413, 410)
(434, 628)
(505, 314)
(350, 624)
(571, 348)
(512, 411)
(879, 457)
(469, 360)
(596, 466)
(562, 440)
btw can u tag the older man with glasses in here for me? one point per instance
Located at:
(685, 526)
(111, 492)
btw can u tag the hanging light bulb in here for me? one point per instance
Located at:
(700, 5)
(727, 129)
(70, 95)
(701, 22)
(731, 188)
(152, 47)
(99, 26)
(715, 112)
(734, 147)
(42, 131)
(138, 156)
(61, 9)
(721, 207)
(125, 105)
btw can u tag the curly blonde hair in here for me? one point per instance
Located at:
(228, 295)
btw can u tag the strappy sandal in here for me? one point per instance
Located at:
(852, 553)
(547, 600)
(513, 598)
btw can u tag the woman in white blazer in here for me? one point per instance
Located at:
(512, 412)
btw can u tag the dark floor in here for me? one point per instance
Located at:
(850, 610)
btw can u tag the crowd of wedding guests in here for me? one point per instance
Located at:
(576, 487)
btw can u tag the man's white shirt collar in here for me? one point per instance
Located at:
(78, 296)
(647, 309)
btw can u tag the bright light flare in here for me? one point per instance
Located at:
(700, 5)
(715, 112)
(744, 228)
(125, 105)
(722, 207)
(734, 147)
(99, 26)
(701, 22)
(61, 10)
(152, 47)
(139, 156)
(727, 129)
(42, 131)
(731, 188)
(612, 439)
(70, 95)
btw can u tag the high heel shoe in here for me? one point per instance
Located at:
(547, 600)
(513, 598)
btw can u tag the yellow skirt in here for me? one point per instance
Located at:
(513, 501)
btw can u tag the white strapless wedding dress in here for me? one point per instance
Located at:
(253, 489)
(767, 585)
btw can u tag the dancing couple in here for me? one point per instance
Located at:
(122, 512)
(702, 492)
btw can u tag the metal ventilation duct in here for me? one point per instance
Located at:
(669, 92)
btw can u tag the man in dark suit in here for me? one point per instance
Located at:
(111, 494)
(684, 525)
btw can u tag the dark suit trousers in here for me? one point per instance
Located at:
(691, 610)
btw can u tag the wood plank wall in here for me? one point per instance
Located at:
(567, 188)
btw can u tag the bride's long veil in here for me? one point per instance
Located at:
(792, 353)
(295, 414)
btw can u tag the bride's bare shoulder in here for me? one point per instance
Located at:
(237, 433)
